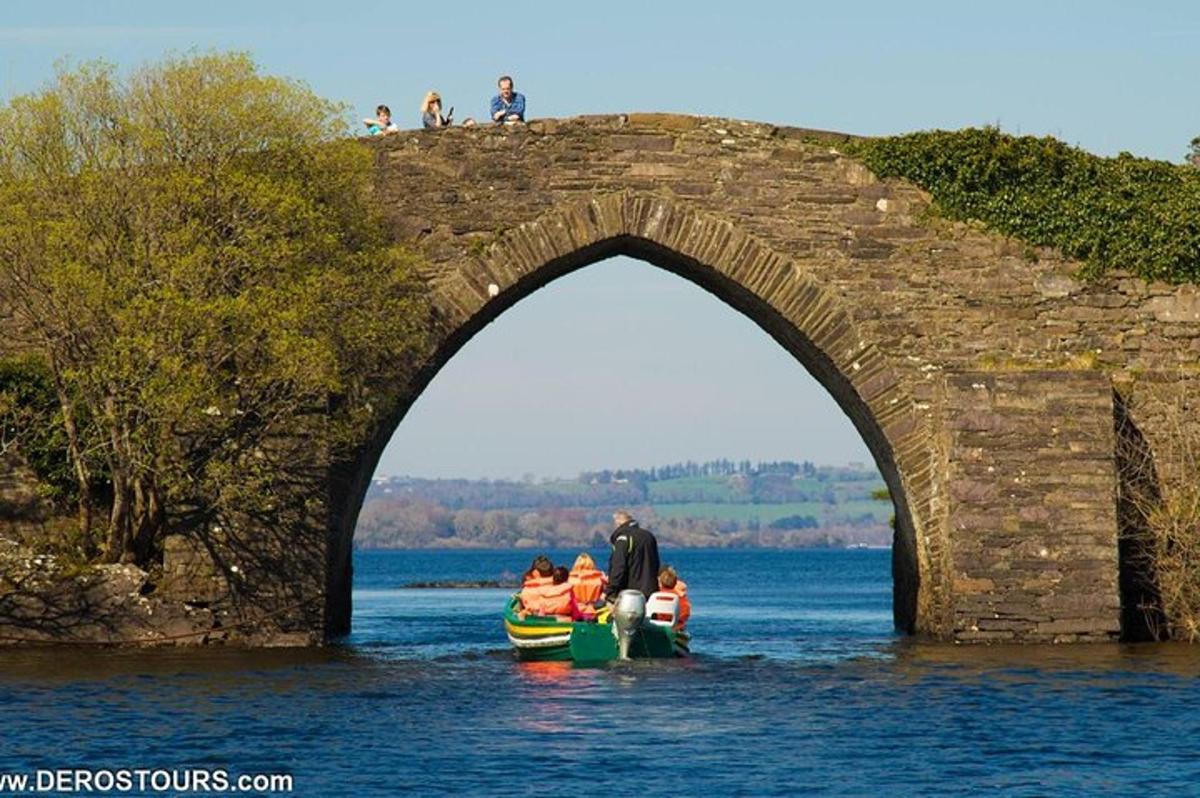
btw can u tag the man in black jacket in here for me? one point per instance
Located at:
(633, 564)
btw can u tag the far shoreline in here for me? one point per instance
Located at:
(662, 545)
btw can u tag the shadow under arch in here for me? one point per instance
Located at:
(787, 302)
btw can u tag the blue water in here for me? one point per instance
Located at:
(798, 686)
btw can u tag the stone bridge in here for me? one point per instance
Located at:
(991, 385)
(980, 373)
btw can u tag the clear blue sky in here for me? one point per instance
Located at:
(532, 393)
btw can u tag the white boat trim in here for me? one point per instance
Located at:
(541, 642)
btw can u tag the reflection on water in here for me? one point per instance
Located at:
(799, 687)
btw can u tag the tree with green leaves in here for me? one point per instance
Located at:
(1193, 156)
(193, 253)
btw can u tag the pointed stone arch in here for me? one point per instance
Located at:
(789, 302)
(981, 373)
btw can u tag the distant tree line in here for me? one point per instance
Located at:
(418, 523)
(717, 482)
(405, 512)
(458, 494)
(724, 468)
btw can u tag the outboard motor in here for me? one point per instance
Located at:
(628, 615)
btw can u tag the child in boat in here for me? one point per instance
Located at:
(669, 581)
(558, 599)
(540, 569)
(540, 575)
(587, 580)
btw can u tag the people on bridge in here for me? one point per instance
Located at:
(431, 112)
(382, 124)
(633, 564)
(508, 106)
(669, 582)
(587, 580)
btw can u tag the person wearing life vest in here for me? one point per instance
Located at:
(587, 580)
(669, 582)
(540, 568)
(633, 564)
(558, 598)
(539, 575)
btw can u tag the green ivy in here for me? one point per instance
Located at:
(1127, 213)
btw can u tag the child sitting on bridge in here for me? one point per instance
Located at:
(382, 124)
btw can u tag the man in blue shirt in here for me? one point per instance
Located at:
(508, 105)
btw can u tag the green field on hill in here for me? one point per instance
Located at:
(768, 513)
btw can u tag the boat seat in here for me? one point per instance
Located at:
(662, 608)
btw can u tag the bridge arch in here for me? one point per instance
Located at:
(991, 384)
(785, 299)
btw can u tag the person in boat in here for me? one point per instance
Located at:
(669, 582)
(540, 575)
(587, 580)
(558, 598)
(541, 568)
(633, 564)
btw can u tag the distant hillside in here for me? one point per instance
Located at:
(719, 503)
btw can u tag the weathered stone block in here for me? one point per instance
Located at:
(1016, 437)
(651, 143)
(1181, 307)
(189, 571)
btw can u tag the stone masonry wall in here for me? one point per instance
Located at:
(980, 371)
(934, 304)
(1031, 471)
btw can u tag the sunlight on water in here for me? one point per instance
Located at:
(799, 686)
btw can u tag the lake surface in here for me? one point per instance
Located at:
(798, 687)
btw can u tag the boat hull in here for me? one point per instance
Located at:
(550, 640)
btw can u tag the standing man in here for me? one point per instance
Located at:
(508, 105)
(633, 564)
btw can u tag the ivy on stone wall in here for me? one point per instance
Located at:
(1127, 213)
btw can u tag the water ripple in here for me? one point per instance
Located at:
(814, 697)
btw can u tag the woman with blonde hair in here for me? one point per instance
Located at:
(431, 112)
(587, 580)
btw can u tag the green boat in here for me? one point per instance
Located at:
(541, 639)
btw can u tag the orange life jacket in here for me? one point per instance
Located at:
(588, 584)
(555, 599)
(531, 590)
(685, 604)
